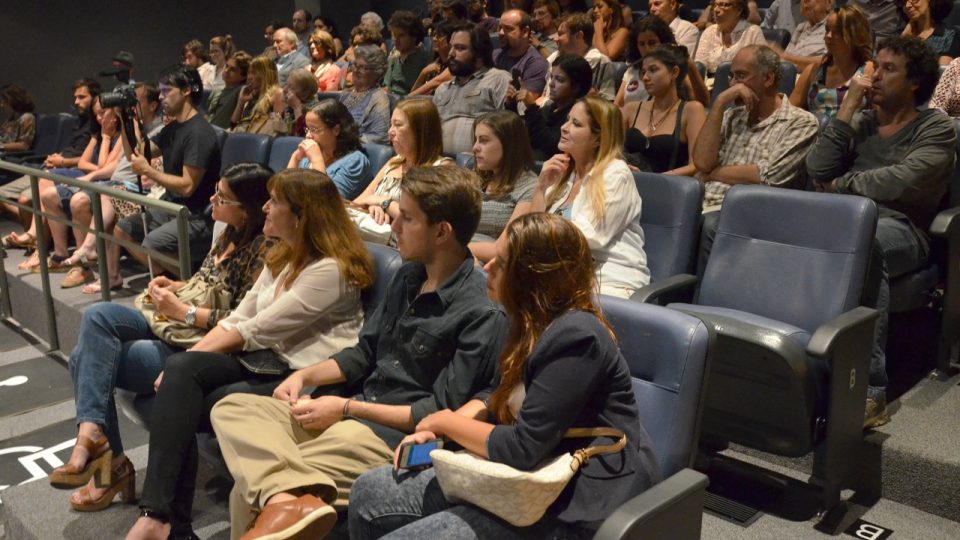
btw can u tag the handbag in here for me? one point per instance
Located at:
(518, 497)
(195, 292)
(263, 362)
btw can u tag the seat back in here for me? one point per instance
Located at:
(68, 123)
(328, 95)
(788, 78)
(792, 256)
(667, 352)
(670, 221)
(378, 154)
(777, 35)
(386, 262)
(721, 80)
(47, 135)
(245, 148)
(616, 71)
(280, 152)
(466, 160)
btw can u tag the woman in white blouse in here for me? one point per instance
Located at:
(304, 307)
(591, 185)
(721, 42)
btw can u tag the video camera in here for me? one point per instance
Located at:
(123, 96)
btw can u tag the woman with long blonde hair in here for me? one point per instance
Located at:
(560, 368)
(304, 307)
(591, 185)
(261, 103)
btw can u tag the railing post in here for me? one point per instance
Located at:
(96, 206)
(6, 307)
(183, 242)
(52, 334)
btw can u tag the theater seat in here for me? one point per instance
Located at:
(777, 35)
(386, 262)
(466, 160)
(280, 152)
(378, 154)
(245, 148)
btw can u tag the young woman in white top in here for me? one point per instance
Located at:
(591, 185)
(304, 307)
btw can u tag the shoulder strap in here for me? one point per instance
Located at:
(677, 130)
(637, 115)
(584, 454)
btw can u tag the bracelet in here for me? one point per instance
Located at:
(346, 408)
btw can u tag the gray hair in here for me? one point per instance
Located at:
(374, 18)
(768, 61)
(289, 36)
(375, 58)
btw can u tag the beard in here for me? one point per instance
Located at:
(460, 69)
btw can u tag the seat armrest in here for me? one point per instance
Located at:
(945, 223)
(672, 509)
(843, 327)
(678, 288)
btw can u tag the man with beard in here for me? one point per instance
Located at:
(191, 169)
(477, 88)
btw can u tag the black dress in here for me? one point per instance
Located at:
(659, 153)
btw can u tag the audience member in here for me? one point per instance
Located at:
(408, 57)
(332, 146)
(437, 72)
(454, 11)
(589, 184)
(223, 102)
(946, 97)
(822, 87)
(323, 51)
(117, 348)
(477, 14)
(221, 49)
(477, 87)
(560, 368)
(886, 19)
(610, 32)
(752, 135)
(304, 306)
(684, 32)
(662, 130)
(260, 103)
(301, 22)
(570, 80)
(721, 42)
(191, 168)
(194, 56)
(362, 35)
(516, 56)
(708, 18)
(268, 33)
(546, 15)
(417, 139)
(323, 444)
(289, 57)
(372, 20)
(784, 15)
(902, 158)
(645, 35)
(326, 24)
(504, 162)
(569, 7)
(925, 19)
(300, 95)
(575, 36)
(19, 121)
(807, 45)
(366, 101)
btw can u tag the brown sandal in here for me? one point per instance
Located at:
(124, 482)
(68, 477)
(12, 241)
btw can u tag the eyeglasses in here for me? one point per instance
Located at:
(363, 68)
(740, 77)
(314, 130)
(218, 198)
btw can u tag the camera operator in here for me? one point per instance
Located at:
(191, 168)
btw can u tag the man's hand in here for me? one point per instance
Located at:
(861, 86)
(738, 94)
(139, 164)
(318, 414)
(289, 390)
(53, 160)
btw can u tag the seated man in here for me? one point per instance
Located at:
(517, 56)
(191, 169)
(899, 156)
(783, 14)
(289, 58)
(408, 56)
(477, 87)
(807, 45)
(575, 36)
(431, 344)
(546, 15)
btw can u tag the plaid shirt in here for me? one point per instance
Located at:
(777, 145)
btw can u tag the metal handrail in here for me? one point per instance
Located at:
(183, 241)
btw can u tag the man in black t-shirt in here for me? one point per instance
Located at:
(191, 169)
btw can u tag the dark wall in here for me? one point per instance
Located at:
(49, 44)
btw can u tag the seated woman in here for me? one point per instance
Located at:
(304, 306)
(326, 24)
(925, 19)
(260, 104)
(661, 131)
(417, 139)
(366, 101)
(646, 34)
(117, 348)
(610, 32)
(300, 96)
(722, 41)
(223, 102)
(946, 96)
(361, 35)
(20, 126)
(570, 79)
(559, 369)
(221, 49)
(820, 88)
(436, 73)
(590, 184)
(323, 52)
(504, 161)
(333, 147)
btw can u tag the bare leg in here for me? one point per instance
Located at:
(80, 210)
(50, 203)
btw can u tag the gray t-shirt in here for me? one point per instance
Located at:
(496, 212)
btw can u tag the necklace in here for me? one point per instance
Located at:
(355, 98)
(655, 125)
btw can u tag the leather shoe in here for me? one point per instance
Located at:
(305, 517)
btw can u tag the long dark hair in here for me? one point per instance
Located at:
(248, 181)
(517, 158)
(649, 23)
(333, 113)
(672, 56)
(549, 271)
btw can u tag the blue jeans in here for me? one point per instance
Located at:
(413, 507)
(116, 349)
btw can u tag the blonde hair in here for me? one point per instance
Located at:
(264, 69)
(324, 41)
(607, 123)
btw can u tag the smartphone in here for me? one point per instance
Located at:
(516, 80)
(417, 456)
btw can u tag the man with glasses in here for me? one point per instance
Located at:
(546, 15)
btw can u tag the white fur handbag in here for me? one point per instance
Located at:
(518, 497)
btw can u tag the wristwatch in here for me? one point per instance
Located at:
(191, 316)
(385, 205)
